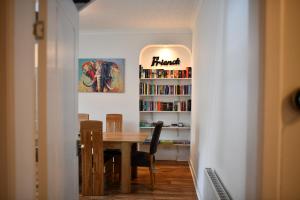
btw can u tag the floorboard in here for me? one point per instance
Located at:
(173, 181)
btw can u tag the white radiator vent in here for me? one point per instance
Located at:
(218, 191)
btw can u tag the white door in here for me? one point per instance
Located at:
(58, 100)
(281, 143)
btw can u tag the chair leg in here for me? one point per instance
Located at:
(152, 176)
(120, 169)
(109, 171)
(113, 171)
(153, 172)
(117, 169)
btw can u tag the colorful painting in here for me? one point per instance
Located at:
(101, 75)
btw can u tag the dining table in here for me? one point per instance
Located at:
(124, 141)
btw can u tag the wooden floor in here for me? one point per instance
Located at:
(173, 181)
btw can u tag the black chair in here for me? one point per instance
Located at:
(147, 159)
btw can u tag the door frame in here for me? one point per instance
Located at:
(17, 105)
(272, 123)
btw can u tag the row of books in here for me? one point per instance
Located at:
(180, 142)
(162, 73)
(152, 89)
(166, 106)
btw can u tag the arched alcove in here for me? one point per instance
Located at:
(165, 95)
(166, 53)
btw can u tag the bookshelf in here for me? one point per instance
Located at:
(166, 97)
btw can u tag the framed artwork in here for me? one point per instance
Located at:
(101, 75)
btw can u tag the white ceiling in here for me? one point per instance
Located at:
(138, 15)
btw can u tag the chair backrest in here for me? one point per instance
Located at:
(155, 137)
(83, 117)
(114, 122)
(92, 158)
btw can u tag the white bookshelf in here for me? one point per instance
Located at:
(168, 150)
(161, 99)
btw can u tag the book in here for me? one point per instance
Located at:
(175, 73)
(189, 106)
(179, 73)
(140, 71)
(189, 72)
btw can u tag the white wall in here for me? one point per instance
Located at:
(167, 53)
(121, 45)
(225, 95)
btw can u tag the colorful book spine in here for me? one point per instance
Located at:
(165, 106)
(153, 89)
(161, 73)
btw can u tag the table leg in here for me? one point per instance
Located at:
(126, 167)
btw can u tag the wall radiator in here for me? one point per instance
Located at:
(213, 187)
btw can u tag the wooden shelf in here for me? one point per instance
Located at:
(182, 145)
(168, 127)
(170, 144)
(164, 95)
(165, 78)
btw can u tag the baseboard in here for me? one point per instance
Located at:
(194, 179)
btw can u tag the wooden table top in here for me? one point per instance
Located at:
(124, 136)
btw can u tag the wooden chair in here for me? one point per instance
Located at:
(114, 122)
(92, 158)
(147, 159)
(83, 117)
